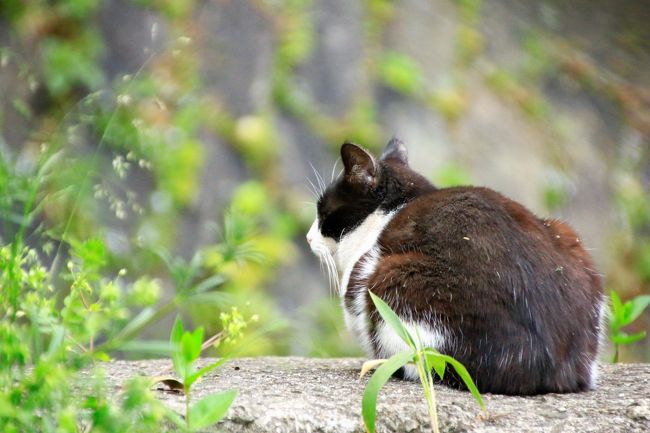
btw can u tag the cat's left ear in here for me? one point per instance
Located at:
(360, 166)
(395, 149)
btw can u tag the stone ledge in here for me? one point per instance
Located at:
(324, 395)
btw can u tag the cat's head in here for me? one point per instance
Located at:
(367, 187)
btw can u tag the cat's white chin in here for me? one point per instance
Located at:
(325, 248)
(352, 246)
(318, 243)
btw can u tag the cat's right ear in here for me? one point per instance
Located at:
(360, 166)
(395, 149)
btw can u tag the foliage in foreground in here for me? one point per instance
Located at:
(622, 314)
(49, 345)
(46, 340)
(90, 208)
(425, 360)
(58, 319)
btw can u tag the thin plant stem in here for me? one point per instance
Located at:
(431, 402)
(187, 407)
(119, 339)
(100, 144)
(429, 393)
(210, 341)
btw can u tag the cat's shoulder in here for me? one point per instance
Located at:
(466, 200)
(476, 206)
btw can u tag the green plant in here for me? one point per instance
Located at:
(425, 359)
(47, 339)
(622, 314)
(68, 297)
(57, 322)
(186, 349)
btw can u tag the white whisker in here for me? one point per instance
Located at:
(334, 170)
(319, 179)
(313, 189)
(328, 265)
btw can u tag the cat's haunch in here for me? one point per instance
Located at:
(513, 297)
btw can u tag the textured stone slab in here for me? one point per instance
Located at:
(324, 395)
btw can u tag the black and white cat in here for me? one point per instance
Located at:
(477, 276)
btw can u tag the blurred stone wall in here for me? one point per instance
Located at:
(574, 126)
(581, 139)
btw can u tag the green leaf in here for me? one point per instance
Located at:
(209, 283)
(22, 108)
(191, 345)
(93, 252)
(137, 321)
(177, 331)
(617, 305)
(180, 366)
(436, 361)
(392, 320)
(464, 375)
(639, 304)
(210, 409)
(58, 335)
(623, 338)
(191, 378)
(376, 382)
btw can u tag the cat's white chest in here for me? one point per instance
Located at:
(355, 315)
(358, 242)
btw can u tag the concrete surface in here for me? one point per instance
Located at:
(324, 395)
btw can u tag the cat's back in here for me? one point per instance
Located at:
(479, 218)
(473, 238)
(452, 216)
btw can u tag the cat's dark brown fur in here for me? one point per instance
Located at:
(513, 297)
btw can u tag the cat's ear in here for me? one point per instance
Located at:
(360, 166)
(395, 149)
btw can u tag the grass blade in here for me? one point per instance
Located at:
(376, 382)
(436, 361)
(392, 320)
(466, 378)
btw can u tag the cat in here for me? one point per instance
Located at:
(477, 276)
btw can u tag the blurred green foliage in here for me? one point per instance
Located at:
(399, 72)
(70, 296)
